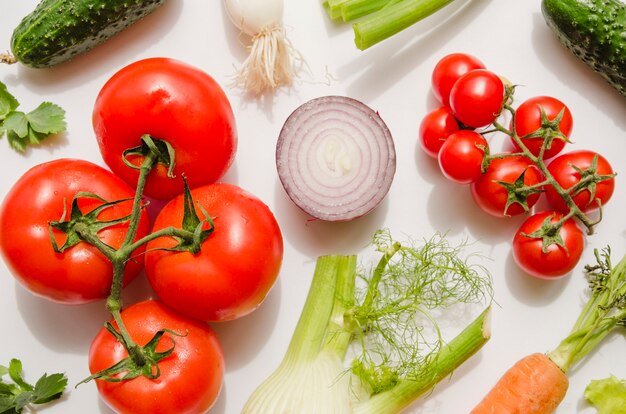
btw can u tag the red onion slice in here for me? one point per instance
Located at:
(335, 158)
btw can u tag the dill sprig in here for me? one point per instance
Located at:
(395, 314)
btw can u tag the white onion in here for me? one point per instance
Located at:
(273, 61)
(335, 158)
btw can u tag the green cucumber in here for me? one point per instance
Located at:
(595, 31)
(58, 30)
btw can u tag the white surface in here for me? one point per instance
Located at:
(510, 36)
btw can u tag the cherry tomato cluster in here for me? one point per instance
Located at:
(167, 131)
(474, 101)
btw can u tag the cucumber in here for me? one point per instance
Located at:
(595, 31)
(58, 30)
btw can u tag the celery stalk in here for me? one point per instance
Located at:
(392, 19)
(354, 9)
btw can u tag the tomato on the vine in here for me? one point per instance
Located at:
(171, 101)
(44, 194)
(190, 377)
(565, 170)
(237, 265)
(435, 127)
(557, 260)
(490, 190)
(448, 70)
(528, 120)
(476, 98)
(461, 156)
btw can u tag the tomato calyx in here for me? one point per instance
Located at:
(193, 225)
(549, 233)
(157, 151)
(589, 178)
(83, 226)
(141, 360)
(518, 192)
(548, 131)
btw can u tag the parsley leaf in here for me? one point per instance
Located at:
(8, 103)
(14, 397)
(23, 129)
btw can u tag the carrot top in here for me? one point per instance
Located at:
(605, 311)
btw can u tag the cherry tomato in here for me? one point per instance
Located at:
(563, 171)
(557, 260)
(171, 101)
(476, 98)
(528, 120)
(190, 378)
(237, 265)
(43, 194)
(436, 126)
(461, 156)
(492, 196)
(448, 70)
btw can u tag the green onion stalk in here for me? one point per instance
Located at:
(383, 321)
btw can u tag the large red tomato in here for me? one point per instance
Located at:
(190, 377)
(171, 101)
(564, 170)
(80, 274)
(557, 260)
(237, 265)
(490, 190)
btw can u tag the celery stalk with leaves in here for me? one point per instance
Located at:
(385, 323)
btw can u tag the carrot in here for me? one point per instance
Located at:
(537, 383)
(534, 385)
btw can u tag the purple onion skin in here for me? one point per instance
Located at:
(313, 166)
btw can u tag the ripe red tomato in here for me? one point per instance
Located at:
(237, 265)
(492, 197)
(476, 98)
(81, 274)
(461, 156)
(436, 126)
(528, 120)
(172, 101)
(558, 260)
(563, 171)
(448, 70)
(190, 378)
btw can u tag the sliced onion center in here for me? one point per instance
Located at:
(335, 158)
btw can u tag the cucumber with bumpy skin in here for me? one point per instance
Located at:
(595, 31)
(58, 30)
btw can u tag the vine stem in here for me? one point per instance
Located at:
(537, 160)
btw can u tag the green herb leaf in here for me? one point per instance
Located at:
(8, 103)
(14, 397)
(608, 395)
(31, 128)
(17, 123)
(47, 118)
(49, 387)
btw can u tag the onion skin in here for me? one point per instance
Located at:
(335, 158)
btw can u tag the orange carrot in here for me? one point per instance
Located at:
(534, 385)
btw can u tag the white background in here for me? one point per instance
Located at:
(510, 36)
